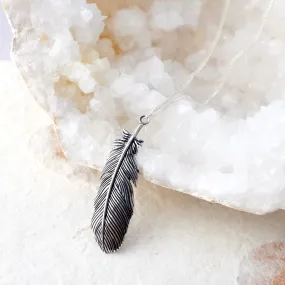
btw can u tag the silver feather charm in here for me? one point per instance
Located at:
(113, 206)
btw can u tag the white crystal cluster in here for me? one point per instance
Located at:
(96, 74)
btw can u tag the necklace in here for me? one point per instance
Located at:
(113, 206)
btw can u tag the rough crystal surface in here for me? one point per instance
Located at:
(97, 69)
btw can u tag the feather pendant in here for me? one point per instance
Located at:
(113, 206)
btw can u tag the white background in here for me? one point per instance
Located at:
(45, 210)
(5, 36)
(45, 215)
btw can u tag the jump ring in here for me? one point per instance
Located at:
(144, 120)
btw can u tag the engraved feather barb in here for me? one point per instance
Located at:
(113, 206)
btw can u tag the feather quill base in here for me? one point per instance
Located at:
(113, 206)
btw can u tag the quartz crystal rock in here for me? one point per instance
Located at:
(97, 67)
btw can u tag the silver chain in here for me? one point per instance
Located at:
(171, 99)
